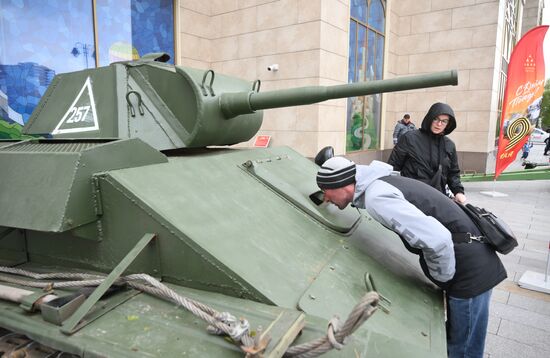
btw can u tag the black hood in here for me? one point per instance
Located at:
(435, 110)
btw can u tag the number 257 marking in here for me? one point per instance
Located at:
(78, 114)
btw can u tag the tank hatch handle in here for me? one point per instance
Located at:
(73, 324)
(208, 87)
(256, 85)
(131, 106)
(384, 302)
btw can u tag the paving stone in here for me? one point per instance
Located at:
(536, 254)
(529, 303)
(500, 295)
(534, 337)
(511, 258)
(519, 319)
(535, 245)
(501, 347)
(538, 237)
(533, 263)
(494, 323)
(521, 316)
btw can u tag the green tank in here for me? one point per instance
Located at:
(131, 179)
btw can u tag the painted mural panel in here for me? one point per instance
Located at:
(128, 29)
(38, 40)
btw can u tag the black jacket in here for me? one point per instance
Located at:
(478, 267)
(428, 157)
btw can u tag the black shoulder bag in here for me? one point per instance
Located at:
(495, 231)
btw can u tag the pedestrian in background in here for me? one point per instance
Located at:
(547, 141)
(526, 149)
(427, 154)
(403, 126)
(433, 227)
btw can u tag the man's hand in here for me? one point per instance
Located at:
(460, 198)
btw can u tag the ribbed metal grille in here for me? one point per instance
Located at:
(5, 143)
(64, 147)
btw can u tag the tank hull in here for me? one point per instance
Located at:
(257, 241)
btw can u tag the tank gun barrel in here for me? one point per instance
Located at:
(234, 104)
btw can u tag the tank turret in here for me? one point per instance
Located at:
(172, 107)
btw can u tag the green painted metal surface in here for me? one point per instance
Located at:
(251, 240)
(234, 228)
(60, 179)
(233, 104)
(74, 322)
(172, 107)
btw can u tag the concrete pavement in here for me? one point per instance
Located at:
(519, 323)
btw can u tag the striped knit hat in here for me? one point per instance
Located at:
(335, 173)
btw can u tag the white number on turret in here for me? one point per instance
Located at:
(78, 114)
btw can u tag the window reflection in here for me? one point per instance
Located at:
(366, 59)
(359, 10)
(39, 39)
(128, 29)
(37, 42)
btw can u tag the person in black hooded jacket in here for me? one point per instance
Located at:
(427, 154)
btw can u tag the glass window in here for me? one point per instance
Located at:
(36, 40)
(359, 10)
(128, 29)
(366, 58)
(352, 57)
(39, 39)
(376, 15)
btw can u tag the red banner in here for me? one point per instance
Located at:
(522, 96)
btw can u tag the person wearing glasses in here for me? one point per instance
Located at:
(427, 154)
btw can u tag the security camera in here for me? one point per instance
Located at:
(274, 67)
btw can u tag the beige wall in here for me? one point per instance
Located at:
(532, 12)
(308, 39)
(437, 35)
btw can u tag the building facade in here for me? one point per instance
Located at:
(313, 44)
(332, 42)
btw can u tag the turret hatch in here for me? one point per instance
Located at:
(292, 181)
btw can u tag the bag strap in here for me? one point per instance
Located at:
(466, 238)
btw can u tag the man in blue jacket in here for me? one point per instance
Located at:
(403, 126)
(433, 227)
